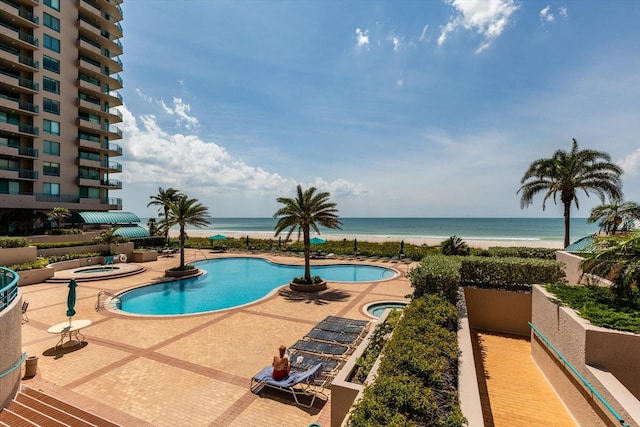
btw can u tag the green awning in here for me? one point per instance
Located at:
(104, 218)
(583, 245)
(132, 232)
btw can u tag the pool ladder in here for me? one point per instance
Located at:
(114, 302)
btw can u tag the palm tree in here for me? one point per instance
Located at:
(616, 216)
(304, 213)
(183, 212)
(618, 260)
(108, 237)
(567, 172)
(59, 215)
(454, 245)
(152, 225)
(162, 200)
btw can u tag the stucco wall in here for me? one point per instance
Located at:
(572, 268)
(11, 256)
(498, 310)
(581, 344)
(10, 349)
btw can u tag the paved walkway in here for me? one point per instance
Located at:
(185, 370)
(518, 393)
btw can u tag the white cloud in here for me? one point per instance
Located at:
(488, 18)
(179, 109)
(399, 82)
(396, 41)
(362, 37)
(631, 163)
(154, 157)
(423, 35)
(563, 11)
(546, 15)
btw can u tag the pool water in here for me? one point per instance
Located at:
(377, 309)
(95, 270)
(232, 282)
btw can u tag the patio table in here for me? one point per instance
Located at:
(70, 330)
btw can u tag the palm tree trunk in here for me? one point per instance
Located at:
(307, 255)
(181, 247)
(567, 222)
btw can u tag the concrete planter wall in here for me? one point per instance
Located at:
(145, 256)
(181, 273)
(299, 287)
(122, 248)
(38, 275)
(58, 238)
(499, 310)
(607, 359)
(11, 256)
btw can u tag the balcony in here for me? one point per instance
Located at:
(113, 167)
(112, 184)
(112, 97)
(18, 174)
(92, 68)
(20, 83)
(19, 151)
(19, 129)
(17, 38)
(113, 132)
(86, 124)
(89, 28)
(114, 150)
(19, 62)
(18, 106)
(89, 105)
(20, 15)
(57, 198)
(95, 89)
(89, 48)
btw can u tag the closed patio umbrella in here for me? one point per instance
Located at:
(402, 247)
(355, 246)
(247, 241)
(71, 299)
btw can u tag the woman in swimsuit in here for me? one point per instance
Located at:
(281, 365)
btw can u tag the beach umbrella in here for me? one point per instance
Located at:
(247, 241)
(402, 247)
(71, 299)
(317, 241)
(217, 237)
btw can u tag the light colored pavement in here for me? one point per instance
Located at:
(518, 393)
(185, 370)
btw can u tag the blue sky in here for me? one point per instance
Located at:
(397, 108)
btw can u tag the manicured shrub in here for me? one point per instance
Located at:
(416, 383)
(521, 252)
(436, 274)
(148, 242)
(13, 242)
(31, 265)
(513, 274)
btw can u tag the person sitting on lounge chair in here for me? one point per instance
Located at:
(281, 364)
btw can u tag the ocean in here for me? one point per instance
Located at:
(516, 229)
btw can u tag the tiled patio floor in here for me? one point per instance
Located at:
(184, 370)
(518, 393)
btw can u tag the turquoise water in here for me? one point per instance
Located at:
(231, 282)
(548, 229)
(95, 270)
(376, 310)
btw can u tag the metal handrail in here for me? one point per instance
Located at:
(109, 294)
(16, 366)
(580, 377)
(8, 287)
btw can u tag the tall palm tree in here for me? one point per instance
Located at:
(567, 172)
(622, 216)
(162, 200)
(59, 215)
(304, 213)
(183, 212)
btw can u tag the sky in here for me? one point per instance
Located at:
(396, 108)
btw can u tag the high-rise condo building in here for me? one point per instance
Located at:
(59, 65)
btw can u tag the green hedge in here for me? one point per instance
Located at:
(149, 242)
(416, 383)
(521, 252)
(513, 274)
(437, 274)
(13, 242)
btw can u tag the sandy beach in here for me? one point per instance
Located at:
(474, 243)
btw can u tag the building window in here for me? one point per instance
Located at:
(51, 22)
(89, 192)
(51, 43)
(9, 187)
(50, 85)
(51, 148)
(51, 106)
(53, 4)
(50, 126)
(51, 168)
(51, 189)
(51, 64)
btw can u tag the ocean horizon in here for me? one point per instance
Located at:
(506, 229)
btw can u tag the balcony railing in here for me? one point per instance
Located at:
(57, 198)
(115, 147)
(28, 151)
(8, 287)
(22, 12)
(113, 183)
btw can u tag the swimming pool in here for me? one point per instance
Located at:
(376, 309)
(96, 270)
(232, 282)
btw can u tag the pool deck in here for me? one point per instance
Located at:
(186, 370)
